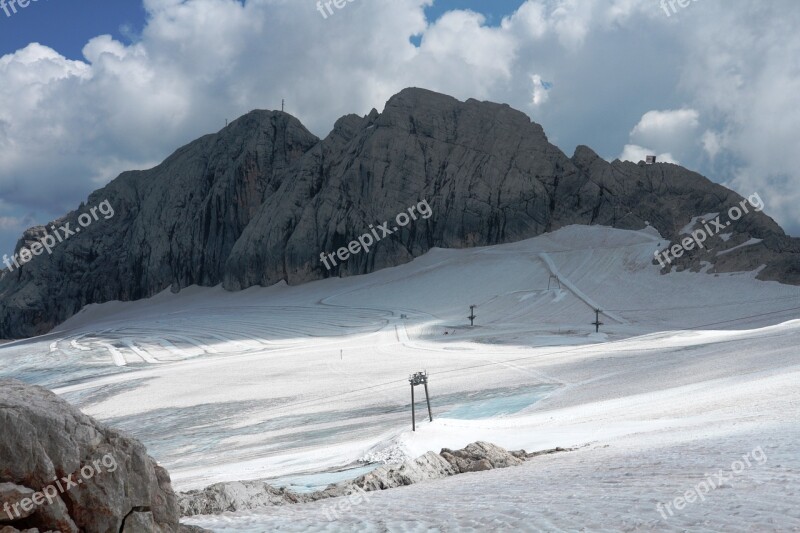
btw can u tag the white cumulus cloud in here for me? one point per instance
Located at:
(713, 86)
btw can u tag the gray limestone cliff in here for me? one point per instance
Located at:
(258, 202)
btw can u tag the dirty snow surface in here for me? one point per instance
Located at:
(684, 408)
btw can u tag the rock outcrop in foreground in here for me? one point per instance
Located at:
(60, 470)
(247, 495)
(258, 202)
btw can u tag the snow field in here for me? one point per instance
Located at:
(288, 383)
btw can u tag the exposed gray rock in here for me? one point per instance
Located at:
(139, 522)
(244, 495)
(235, 496)
(258, 202)
(12, 495)
(523, 455)
(480, 456)
(44, 440)
(173, 225)
(427, 467)
(55, 516)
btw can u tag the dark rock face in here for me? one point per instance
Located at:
(173, 225)
(60, 470)
(258, 202)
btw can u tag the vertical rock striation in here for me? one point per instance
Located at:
(258, 202)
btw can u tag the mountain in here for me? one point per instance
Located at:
(260, 201)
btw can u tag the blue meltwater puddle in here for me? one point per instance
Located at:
(304, 483)
(488, 404)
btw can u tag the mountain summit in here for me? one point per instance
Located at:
(258, 202)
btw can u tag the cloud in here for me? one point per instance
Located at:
(11, 223)
(540, 90)
(713, 143)
(712, 86)
(743, 69)
(636, 153)
(663, 132)
(667, 129)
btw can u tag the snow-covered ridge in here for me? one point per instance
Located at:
(297, 381)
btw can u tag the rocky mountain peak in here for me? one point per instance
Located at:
(258, 202)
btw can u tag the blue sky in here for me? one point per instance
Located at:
(712, 86)
(493, 10)
(67, 25)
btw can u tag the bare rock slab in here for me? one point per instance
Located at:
(67, 472)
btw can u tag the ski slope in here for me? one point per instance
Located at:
(308, 385)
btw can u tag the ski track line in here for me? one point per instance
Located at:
(403, 338)
(74, 344)
(141, 353)
(116, 355)
(198, 344)
(245, 347)
(571, 286)
(174, 349)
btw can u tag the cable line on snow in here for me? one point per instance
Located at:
(495, 363)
